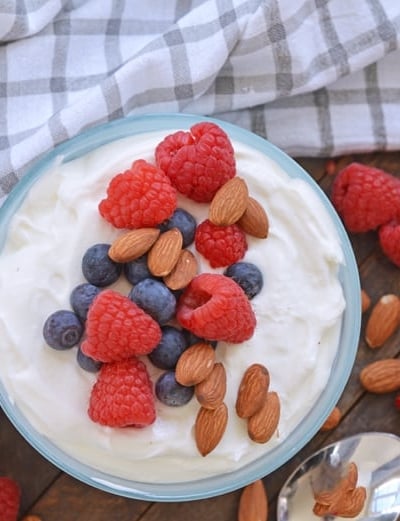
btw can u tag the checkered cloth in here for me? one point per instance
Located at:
(315, 77)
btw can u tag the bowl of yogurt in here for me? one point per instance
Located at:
(308, 317)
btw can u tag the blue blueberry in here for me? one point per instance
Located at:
(87, 363)
(191, 339)
(172, 393)
(62, 329)
(185, 222)
(81, 297)
(248, 276)
(98, 268)
(170, 348)
(155, 298)
(137, 270)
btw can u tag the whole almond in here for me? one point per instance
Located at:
(133, 244)
(229, 203)
(252, 391)
(195, 364)
(253, 503)
(183, 272)
(346, 484)
(210, 392)
(254, 221)
(383, 320)
(349, 505)
(382, 376)
(332, 420)
(262, 425)
(209, 428)
(165, 253)
(365, 301)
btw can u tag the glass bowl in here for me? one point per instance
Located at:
(340, 371)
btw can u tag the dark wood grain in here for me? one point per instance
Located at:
(55, 496)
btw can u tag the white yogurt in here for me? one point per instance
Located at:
(299, 314)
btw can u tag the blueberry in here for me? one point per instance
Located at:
(62, 329)
(155, 298)
(137, 270)
(191, 339)
(172, 393)
(170, 348)
(81, 297)
(184, 221)
(87, 363)
(98, 268)
(248, 276)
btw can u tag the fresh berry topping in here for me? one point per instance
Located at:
(116, 328)
(220, 245)
(155, 299)
(248, 276)
(365, 197)
(62, 329)
(215, 307)
(137, 270)
(98, 268)
(122, 395)
(87, 362)
(197, 162)
(172, 393)
(192, 339)
(173, 343)
(185, 222)
(10, 497)
(389, 239)
(81, 297)
(139, 197)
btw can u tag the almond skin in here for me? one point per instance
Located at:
(195, 364)
(183, 272)
(254, 221)
(252, 391)
(209, 428)
(229, 203)
(365, 301)
(210, 392)
(332, 421)
(263, 424)
(349, 505)
(383, 320)
(253, 503)
(346, 484)
(133, 244)
(382, 376)
(165, 253)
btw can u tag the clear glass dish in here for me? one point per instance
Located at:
(340, 372)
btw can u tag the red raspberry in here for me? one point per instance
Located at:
(220, 245)
(197, 162)
(10, 496)
(365, 197)
(389, 239)
(139, 197)
(117, 328)
(123, 395)
(397, 402)
(215, 307)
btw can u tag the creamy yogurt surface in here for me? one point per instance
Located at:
(299, 313)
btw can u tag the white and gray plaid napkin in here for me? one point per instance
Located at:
(315, 77)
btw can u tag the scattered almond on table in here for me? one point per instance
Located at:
(333, 420)
(253, 503)
(382, 376)
(365, 301)
(383, 320)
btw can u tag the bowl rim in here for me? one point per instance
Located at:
(121, 128)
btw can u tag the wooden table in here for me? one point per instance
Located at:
(55, 496)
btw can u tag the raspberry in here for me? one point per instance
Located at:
(10, 496)
(215, 307)
(220, 245)
(139, 197)
(397, 402)
(389, 239)
(116, 328)
(122, 395)
(365, 197)
(197, 162)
